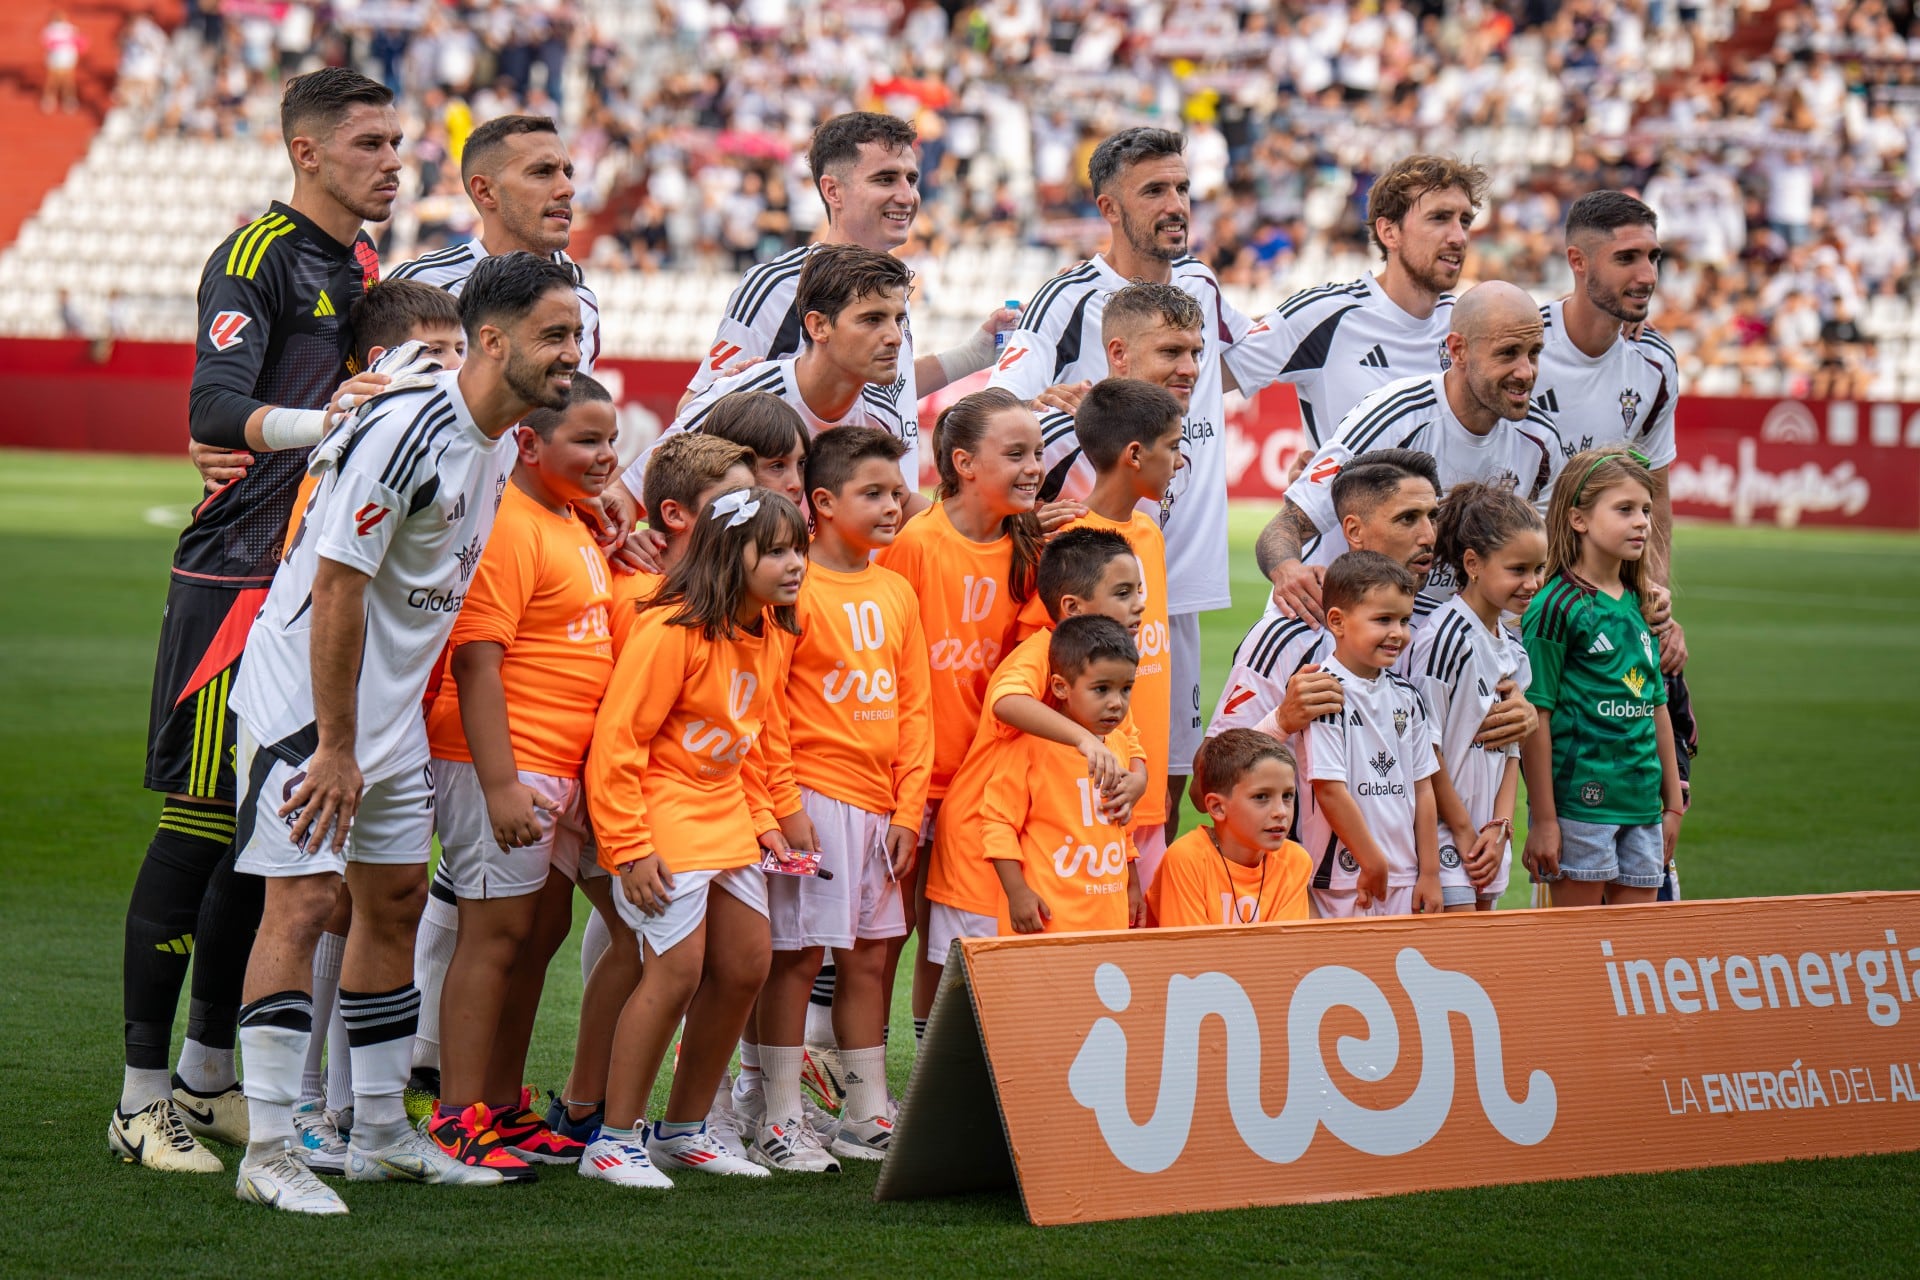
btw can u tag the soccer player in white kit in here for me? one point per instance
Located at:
(333, 745)
(1139, 179)
(1476, 419)
(1339, 343)
(1599, 384)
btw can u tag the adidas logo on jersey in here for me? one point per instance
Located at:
(1375, 359)
(324, 307)
(1549, 401)
(1600, 645)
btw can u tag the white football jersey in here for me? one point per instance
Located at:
(1059, 341)
(449, 268)
(1380, 744)
(410, 503)
(1457, 663)
(1626, 394)
(1273, 649)
(1338, 344)
(873, 407)
(762, 322)
(1413, 414)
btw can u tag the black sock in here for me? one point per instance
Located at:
(229, 915)
(823, 986)
(162, 915)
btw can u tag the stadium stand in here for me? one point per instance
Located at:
(1775, 141)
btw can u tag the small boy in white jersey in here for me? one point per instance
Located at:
(1367, 815)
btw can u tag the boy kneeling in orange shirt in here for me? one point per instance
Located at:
(1063, 856)
(1243, 869)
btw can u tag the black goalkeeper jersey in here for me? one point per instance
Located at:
(274, 300)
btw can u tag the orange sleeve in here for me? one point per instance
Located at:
(1004, 808)
(1033, 618)
(913, 765)
(647, 681)
(1024, 671)
(1287, 900)
(629, 591)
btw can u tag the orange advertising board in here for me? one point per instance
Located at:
(1163, 1071)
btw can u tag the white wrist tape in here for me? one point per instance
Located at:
(975, 354)
(293, 428)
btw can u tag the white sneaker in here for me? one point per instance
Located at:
(791, 1146)
(749, 1103)
(697, 1152)
(822, 1075)
(155, 1136)
(723, 1124)
(824, 1126)
(415, 1158)
(285, 1182)
(220, 1116)
(863, 1139)
(317, 1138)
(624, 1164)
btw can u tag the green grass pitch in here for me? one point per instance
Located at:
(1805, 678)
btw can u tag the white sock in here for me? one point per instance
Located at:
(781, 1065)
(432, 950)
(205, 1069)
(326, 985)
(865, 1071)
(141, 1087)
(380, 1030)
(820, 1006)
(749, 1065)
(339, 1063)
(273, 1034)
(593, 944)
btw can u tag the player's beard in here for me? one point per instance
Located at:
(1491, 393)
(1612, 302)
(528, 380)
(1145, 241)
(529, 224)
(364, 205)
(1428, 278)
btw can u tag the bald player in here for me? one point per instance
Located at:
(1476, 419)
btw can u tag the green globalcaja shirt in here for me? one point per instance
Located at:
(1596, 673)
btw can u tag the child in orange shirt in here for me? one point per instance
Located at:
(677, 781)
(1063, 858)
(1243, 869)
(856, 721)
(1082, 571)
(1129, 431)
(530, 658)
(687, 472)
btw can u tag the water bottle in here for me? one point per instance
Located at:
(1000, 338)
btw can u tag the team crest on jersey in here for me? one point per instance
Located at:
(1629, 408)
(468, 556)
(1592, 793)
(1449, 856)
(1635, 682)
(1348, 863)
(226, 328)
(1646, 647)
(369, 263)
(1400, 721)
(1446, 361)
(499, 492)
(1382, 763)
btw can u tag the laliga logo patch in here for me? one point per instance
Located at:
(1314, 1100)
(225, 330)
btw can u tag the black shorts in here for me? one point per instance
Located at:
(190, 733)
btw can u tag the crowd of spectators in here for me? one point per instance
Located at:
(1782, 166)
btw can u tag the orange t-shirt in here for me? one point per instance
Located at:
(1197, 885)
(541, 592)
(855, 711)
(675, 767)
(1152, 703)
(629, 592)
(967, 615)
(956, 873)
(1041, 811)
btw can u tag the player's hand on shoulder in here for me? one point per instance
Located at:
(1311, 693)
(514, 811)
(608, 519)
(1510, 720)
(1104, 767)
(1296, 591)
(355, 392)
(1656, 606)
(741, 366)
(1054, 516)
(1064, 397)
(218, 467)
(1673, 648)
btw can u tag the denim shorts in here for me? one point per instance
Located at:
(1631, 856)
